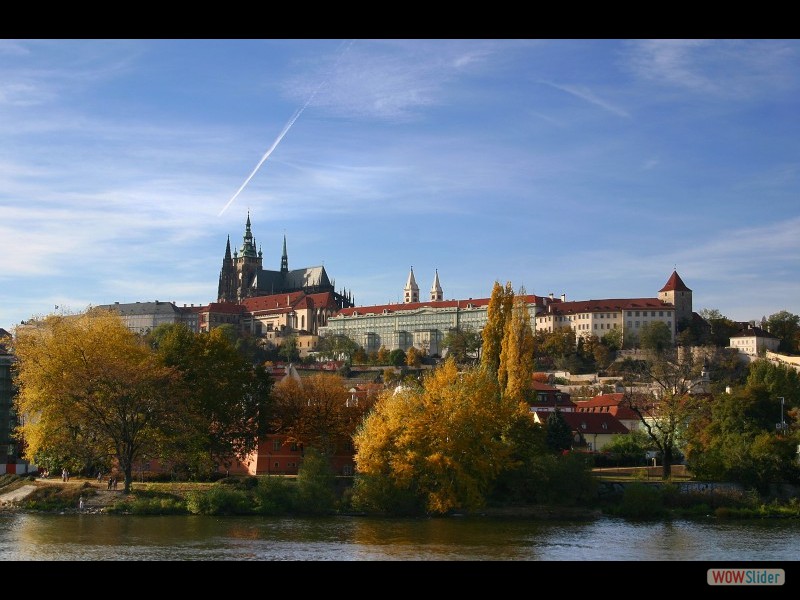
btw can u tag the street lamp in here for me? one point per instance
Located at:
(782, 424)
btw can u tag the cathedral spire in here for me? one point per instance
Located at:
(248, 243)
(284, 257)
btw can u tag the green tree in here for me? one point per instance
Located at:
(631, 448)
(316, 492)
(463, 344)
(734, 439)
(785, 326)
(780, 381)
(655, 336)
(660, 391)
(226, 400)
(613, 339)
(289, 349)
(86, 380)
(559, 433)
(720, 328)
(397, 357)
(337, 347)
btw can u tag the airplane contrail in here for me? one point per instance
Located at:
(280, 137)
(265, 157)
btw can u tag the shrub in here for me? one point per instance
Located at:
(642, 501)
(275, 495)
(219, 501)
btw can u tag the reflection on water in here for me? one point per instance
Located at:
(112, 537)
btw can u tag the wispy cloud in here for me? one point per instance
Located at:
(588, 96)
(730, 68)
(389, 80)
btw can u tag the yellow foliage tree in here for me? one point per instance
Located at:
(87, 382)
(441, 443)
(413, 357)
(497, 313)
(516, 356)
(316, 411)
(382, 357)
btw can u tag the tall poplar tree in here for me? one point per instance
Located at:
(516, 357)
(494, 330)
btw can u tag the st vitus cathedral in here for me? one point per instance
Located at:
(242, 275)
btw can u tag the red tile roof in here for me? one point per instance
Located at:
(607, 404)
(610, 304)
(461, 304)
(223, 307)
(594, 422)
(675, 284)
(280, 303)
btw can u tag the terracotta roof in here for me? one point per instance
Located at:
(675, 284)
(607, 404)
(289, 301)
(437, 304)
(223, 307)
(543, 387)
(594, 422)
(610, 305)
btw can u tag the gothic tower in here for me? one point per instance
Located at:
(436, 290)
(411, 291)
(226, 292)
(676, 293)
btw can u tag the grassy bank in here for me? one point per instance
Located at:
(275, 495)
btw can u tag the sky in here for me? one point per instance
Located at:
(586, 167)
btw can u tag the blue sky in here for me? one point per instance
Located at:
(583, 167)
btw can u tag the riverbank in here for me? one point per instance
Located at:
(632, 499)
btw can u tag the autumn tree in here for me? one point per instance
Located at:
(382, 357)
(515, 371)
(435, 448)
(413, 357)
(224, 399)
(497, 312)
(315, 411)
(554, 347)
(87, 381)
(660, 390)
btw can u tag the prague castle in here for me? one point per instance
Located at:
(243, 276)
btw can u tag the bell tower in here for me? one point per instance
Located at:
(411, 291)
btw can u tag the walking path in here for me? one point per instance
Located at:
(96, 502)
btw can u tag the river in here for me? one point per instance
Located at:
(97, 537)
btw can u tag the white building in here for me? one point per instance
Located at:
(753, 341)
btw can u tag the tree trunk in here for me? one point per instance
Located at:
(666, 472)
